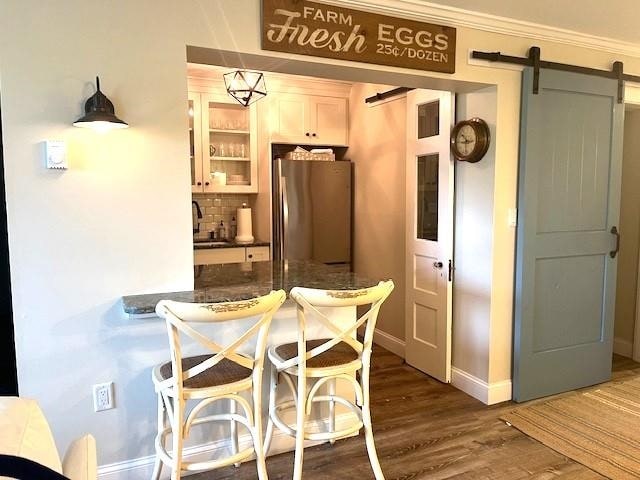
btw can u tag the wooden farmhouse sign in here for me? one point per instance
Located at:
(310, 28)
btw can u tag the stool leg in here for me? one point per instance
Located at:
(178, 439)
(157, 464)
(366, 420)
(258, 440)
(234, 431)
(273, 387)
(332, 409)
(301, 418)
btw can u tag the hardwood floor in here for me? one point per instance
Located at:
(428, 430)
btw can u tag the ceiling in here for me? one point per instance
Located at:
(616, 19)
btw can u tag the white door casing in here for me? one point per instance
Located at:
(429, 233)
(632, 97)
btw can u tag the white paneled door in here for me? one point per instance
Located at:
(429, 235)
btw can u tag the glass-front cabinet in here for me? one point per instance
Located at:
(223, 136)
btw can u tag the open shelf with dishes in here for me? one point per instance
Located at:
(223, 137)
(229, 131)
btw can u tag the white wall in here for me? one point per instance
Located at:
(80, 239)
(117, 222)
(630, 236)
(473, 249)
(377, 145)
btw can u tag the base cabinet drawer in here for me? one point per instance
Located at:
(218, 255)
(257, 254)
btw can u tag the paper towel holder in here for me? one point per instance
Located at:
(244, 226)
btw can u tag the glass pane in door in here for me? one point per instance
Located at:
(427, 201)
(429, 119)
(229, 144)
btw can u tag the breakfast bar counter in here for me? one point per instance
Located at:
(242, 281)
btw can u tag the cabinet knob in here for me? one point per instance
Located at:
(206, 184)
(199, 183)
(313, 134)
(307, 134)
(250, 255)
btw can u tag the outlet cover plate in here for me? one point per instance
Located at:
(103, 396)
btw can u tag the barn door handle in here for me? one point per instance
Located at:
(614, 231)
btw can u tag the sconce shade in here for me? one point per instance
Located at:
(99, 113)
(245, 86)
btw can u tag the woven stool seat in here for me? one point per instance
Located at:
(338, 355)
(222, 373)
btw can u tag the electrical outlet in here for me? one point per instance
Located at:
(103, 396)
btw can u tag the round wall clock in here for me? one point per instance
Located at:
(470, 140)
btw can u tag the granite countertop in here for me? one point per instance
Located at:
(241, 281)
(207, 244)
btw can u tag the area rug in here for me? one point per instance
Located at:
(599, 428)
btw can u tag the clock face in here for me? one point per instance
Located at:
(470, 140)
(466, 140)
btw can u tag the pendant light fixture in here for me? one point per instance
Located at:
(245, 86)
(99, 113)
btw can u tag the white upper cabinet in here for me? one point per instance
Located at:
(329, 120)
(224, 145)
(309, 119)
(289, 117)
(229, 142)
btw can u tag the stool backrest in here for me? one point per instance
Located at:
(179, 315)
(309, 300)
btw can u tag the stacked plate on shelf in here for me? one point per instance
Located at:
(235, 179)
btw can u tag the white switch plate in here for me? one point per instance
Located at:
(103, 396)
(513, 217)
(55, 154)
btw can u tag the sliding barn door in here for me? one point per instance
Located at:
(569, 204)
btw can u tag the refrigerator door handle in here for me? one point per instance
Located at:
(285, 219)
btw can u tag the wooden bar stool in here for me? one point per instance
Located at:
(221, 374)
(320, 362)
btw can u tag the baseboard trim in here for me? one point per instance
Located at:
(623, 347)
(391, 343)
(143, 467)
(489, 394)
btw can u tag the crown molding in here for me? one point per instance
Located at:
(457, 17)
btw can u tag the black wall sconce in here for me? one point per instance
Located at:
(245, 86)
(99, 113)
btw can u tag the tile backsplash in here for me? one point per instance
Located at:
(216, 207)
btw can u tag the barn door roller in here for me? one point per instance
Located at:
(533, 60)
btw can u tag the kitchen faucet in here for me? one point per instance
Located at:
(199, 212)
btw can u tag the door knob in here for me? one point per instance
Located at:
(438, 264)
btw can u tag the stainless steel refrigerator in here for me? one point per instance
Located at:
(312, 211)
